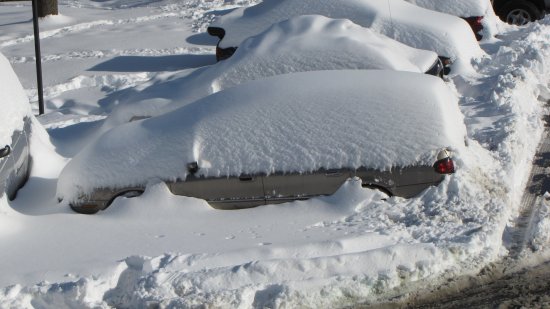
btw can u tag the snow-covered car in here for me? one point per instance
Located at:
(478, 13)
(15, 127)
(300, 44)
(278, 139)
(520, 12)
(450, 37)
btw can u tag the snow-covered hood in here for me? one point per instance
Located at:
(295, 122)
(14, 104)
(412, 25)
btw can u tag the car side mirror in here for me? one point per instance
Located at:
(5, 151)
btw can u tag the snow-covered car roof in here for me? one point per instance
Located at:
(303, 43)
(296, 122)
(412, 25)
(14, 104)
(465, 8)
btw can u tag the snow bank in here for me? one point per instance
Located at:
(414, 26)
(14, 103)
(290, 123)
(302, 265)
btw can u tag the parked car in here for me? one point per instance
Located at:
(14, 133)
(283, 138)
(520, 12)
(450, 37)
(478, 13)
(300, 44)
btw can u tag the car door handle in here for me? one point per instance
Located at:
(246, 178)
(5, 151)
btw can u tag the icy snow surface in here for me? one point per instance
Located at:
(412, 25)
(14, 104)
(167, 250)
(298, 122)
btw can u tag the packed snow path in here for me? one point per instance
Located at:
(539, 184)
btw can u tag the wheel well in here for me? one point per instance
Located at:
(138, 191)
(378, 187)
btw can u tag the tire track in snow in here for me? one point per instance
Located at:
(108, 83)
(90, 25)
(539, 183)
(99, 54)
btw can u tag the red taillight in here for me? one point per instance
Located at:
(475, 23)
(445, 166)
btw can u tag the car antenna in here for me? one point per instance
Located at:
(391, 18)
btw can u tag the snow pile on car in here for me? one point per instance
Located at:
(447, 35)
(466, 8)
(313, 43)
(303, 43)
(14, 103)
(297, 122)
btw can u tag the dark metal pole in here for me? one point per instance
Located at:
(38, 57)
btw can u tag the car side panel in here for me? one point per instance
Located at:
(223, 193)
(21, 163)
(14, 168)
(283, 187)
(406, 182)
(6, 166)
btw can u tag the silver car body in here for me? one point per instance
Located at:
(15, 162)
(232, 168)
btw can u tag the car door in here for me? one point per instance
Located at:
(223, 192)
(6, 166)
(20, 157)
(16, 167)
(280, 188)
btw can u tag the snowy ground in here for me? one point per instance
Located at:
(177, 251)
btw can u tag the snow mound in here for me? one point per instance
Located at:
(412, 25)
(291, 123)
(466, 8)
(301, 44)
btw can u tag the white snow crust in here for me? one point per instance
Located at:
(14, 104)
(288, 123)
(301, 44)
(466, 8)
(414, 26)
(161, 250)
